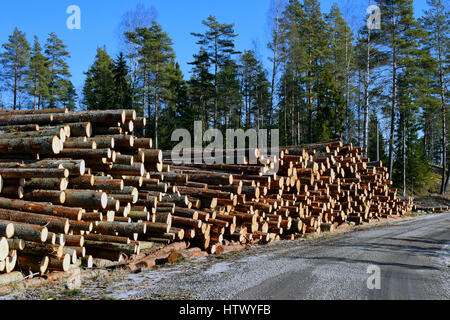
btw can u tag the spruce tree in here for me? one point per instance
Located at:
(230, 98)
(178, 112)
(122, 89)
(70, 97)
(201, 86)
(99, 89)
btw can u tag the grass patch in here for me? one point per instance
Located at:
(73, 292)
(105, 297)
(49, 295)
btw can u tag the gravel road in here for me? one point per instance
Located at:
(413, 257)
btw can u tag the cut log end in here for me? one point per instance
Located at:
(56, 145)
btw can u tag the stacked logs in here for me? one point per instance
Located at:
(317, 187)
(81, 188)
(67, 184)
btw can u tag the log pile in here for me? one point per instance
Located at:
(80, 188)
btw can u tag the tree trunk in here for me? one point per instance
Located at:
(444, 127)
(366, 97)
(394, 101)
(274, 66)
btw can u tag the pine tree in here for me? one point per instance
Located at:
(38, 74)
(293, 111)
(274, 46)
(314, 29)
(155, 55)
(369, 63)
(396, 19)
(218, 41)
(15, 61)
(411, 85)
(57, 55)
(99, 89)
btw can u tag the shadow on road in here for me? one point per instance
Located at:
(417, 250)
(348, 260)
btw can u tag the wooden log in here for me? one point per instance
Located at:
(85, 154)
(150, 155)
(86, 198)
(186, 222)
(17, 173)
(127, 249)
(30, 232)
(4, 248)
(32, 263)
(17, 119)
(80, 129)
(121, 169)
(59, 264)
(103, 116)
(6, 229)
(75, 167)
(41, 145)
(43, 249)
(74, 254)
(19, 128)
(54, 196)
(47, 183)
(9, 278)
(74, 240)
(85, 181)
(119, 228)
(106, 238)
(54, 224)
(41, 208)
(80, 144)
(157, 227)
(16, 244)
(81, 225)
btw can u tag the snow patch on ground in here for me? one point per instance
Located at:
(218, 268)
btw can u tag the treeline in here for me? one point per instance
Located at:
(383, 89)
(36, 77)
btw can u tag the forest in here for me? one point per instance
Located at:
(384, 89)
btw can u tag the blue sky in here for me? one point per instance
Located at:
(100, 19)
